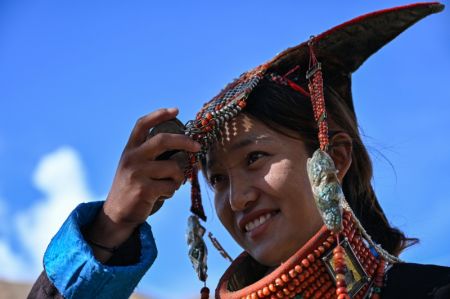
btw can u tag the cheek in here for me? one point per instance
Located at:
(223, 210)
(285, 176)
(289, 185)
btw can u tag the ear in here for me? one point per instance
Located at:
(340, 149)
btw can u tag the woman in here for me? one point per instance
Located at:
(275, 145)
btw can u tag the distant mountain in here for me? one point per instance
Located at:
(13, 290)
(9, 290)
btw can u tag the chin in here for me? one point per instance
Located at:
(273, 254)
(270, 256)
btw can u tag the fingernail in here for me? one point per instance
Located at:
(172, 110)
(198, 146)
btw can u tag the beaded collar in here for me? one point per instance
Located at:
(311, 272)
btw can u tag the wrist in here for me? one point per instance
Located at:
(107, 232)
(105, 235)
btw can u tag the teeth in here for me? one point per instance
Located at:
(257, 222)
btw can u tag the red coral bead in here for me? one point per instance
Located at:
(279, 282)
(305, 263)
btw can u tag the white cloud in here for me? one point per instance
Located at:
(61, 178)
(12, 265)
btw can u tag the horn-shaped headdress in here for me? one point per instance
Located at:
(342, 244)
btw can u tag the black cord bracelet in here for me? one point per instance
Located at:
(100, 246)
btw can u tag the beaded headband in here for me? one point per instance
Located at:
(324, 58)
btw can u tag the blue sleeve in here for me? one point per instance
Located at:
(71, 266)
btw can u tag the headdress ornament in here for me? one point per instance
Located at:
(329, 58)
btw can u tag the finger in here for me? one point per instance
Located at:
(164, 170)
(165, 188)
(146, 122)
(164, 142)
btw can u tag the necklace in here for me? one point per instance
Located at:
(314, 270)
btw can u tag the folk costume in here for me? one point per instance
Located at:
(340, 261)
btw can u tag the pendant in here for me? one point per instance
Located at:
(355, 275)
(326, 189)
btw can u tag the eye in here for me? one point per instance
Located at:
(255, 156)
(217, 180)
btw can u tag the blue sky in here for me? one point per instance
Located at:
(75, 76)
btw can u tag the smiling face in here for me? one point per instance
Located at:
(262, 193)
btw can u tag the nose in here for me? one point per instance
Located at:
(242, 193)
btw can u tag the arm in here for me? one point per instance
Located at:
(127, 254)
(77, 269)
(72, 271)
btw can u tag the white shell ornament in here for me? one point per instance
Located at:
(326, 189)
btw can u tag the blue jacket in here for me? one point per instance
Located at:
(71, 267)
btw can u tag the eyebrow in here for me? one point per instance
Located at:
(247, 141)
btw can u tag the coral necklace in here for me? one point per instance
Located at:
(316, 270)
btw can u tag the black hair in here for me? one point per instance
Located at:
(280, 108)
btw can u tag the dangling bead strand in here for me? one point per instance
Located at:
(379, 280)
(340, 268)
(196, 199)
(315, 86)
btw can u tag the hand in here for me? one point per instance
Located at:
(140, 180)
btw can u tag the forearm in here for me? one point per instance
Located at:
(73, 270)
(127, 254)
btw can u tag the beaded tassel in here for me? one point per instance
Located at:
(315, 85)
(196, 198)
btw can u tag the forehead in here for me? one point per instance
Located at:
(237, 127)
(236, 134)
(242, 128)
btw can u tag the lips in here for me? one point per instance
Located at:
(255, 219)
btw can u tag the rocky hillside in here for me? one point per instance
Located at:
(12, 290)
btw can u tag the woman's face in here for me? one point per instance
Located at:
(262, 192)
